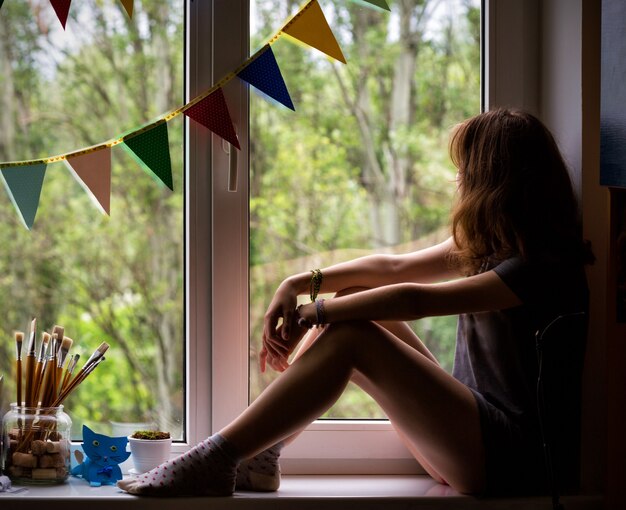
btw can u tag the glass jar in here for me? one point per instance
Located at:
(37, 445)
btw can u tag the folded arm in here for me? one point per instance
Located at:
(410, 301)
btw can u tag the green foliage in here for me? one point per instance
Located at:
(116, 279)
(360, 166)
(357, 168)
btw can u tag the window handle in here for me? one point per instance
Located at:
(232, 164)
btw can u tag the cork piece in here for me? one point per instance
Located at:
(44, 474)
(61, 473)
(24, 460)
(18, 472)
(54, 460)
(38, 447)
(53, 447)
(13, 444)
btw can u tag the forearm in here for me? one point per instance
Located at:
(424, 266)
(410, 301)
(398, 302)
(369, 271)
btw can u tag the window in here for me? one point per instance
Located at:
(324, 138)
(117, 279)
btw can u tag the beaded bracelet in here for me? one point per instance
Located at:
(316, 283)
(320, 312)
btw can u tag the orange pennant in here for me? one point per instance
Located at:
(310, 27)
(93, 172)
(128, 5)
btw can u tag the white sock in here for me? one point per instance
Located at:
(208, 469)
(261, 472)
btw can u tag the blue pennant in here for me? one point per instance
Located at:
(264, 74)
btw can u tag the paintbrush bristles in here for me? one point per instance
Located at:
(43, 348)
(19, 339)
(50, 375)
(66, 344)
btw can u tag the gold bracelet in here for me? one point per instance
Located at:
(316, 283)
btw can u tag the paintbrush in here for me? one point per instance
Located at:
(71, 365)
(57, 332)
(79, 377)
(19, 338)
(30, 363)
(41, 361)
(48, 374)
(62, 354)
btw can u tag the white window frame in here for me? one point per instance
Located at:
(217, 232)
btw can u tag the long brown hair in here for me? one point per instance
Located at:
(515, 196)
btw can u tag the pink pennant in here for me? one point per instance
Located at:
(62, 8)
(93, 172)
(212, 113)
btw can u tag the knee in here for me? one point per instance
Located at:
(347, 338)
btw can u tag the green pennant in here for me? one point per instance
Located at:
(151, 149)
(23, 183)
(380, 4)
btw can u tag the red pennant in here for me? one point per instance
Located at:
(62, 8)
(212, 113)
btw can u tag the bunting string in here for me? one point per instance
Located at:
(149, 143)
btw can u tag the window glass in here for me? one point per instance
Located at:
(116, 279)
(361, 166)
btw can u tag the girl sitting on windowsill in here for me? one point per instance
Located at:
(515, 261)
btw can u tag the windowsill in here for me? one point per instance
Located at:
(301, 492)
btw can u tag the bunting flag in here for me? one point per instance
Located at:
(128, 5)
(93, 173)
(212, 113)
(149, 144)
(62, 8)
(23, 185)
(151, 149)
(264, 74)
(381, 4)
(310, 27)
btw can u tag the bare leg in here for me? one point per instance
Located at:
(403, 332)
(434, 411)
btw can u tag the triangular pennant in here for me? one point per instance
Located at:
(310, 27)
(212, 113)
(128, 5)
(62, 8)
(381, 4)
(151, 149)
(264, 74)
(23, 183)
(93, 173)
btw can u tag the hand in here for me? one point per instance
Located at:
(277, 354)
(279, 341)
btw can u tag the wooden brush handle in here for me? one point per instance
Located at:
(18, 376)
(30, 369)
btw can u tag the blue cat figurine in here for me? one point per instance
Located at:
(104, 454)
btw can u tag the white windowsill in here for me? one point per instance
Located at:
(296, 492)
